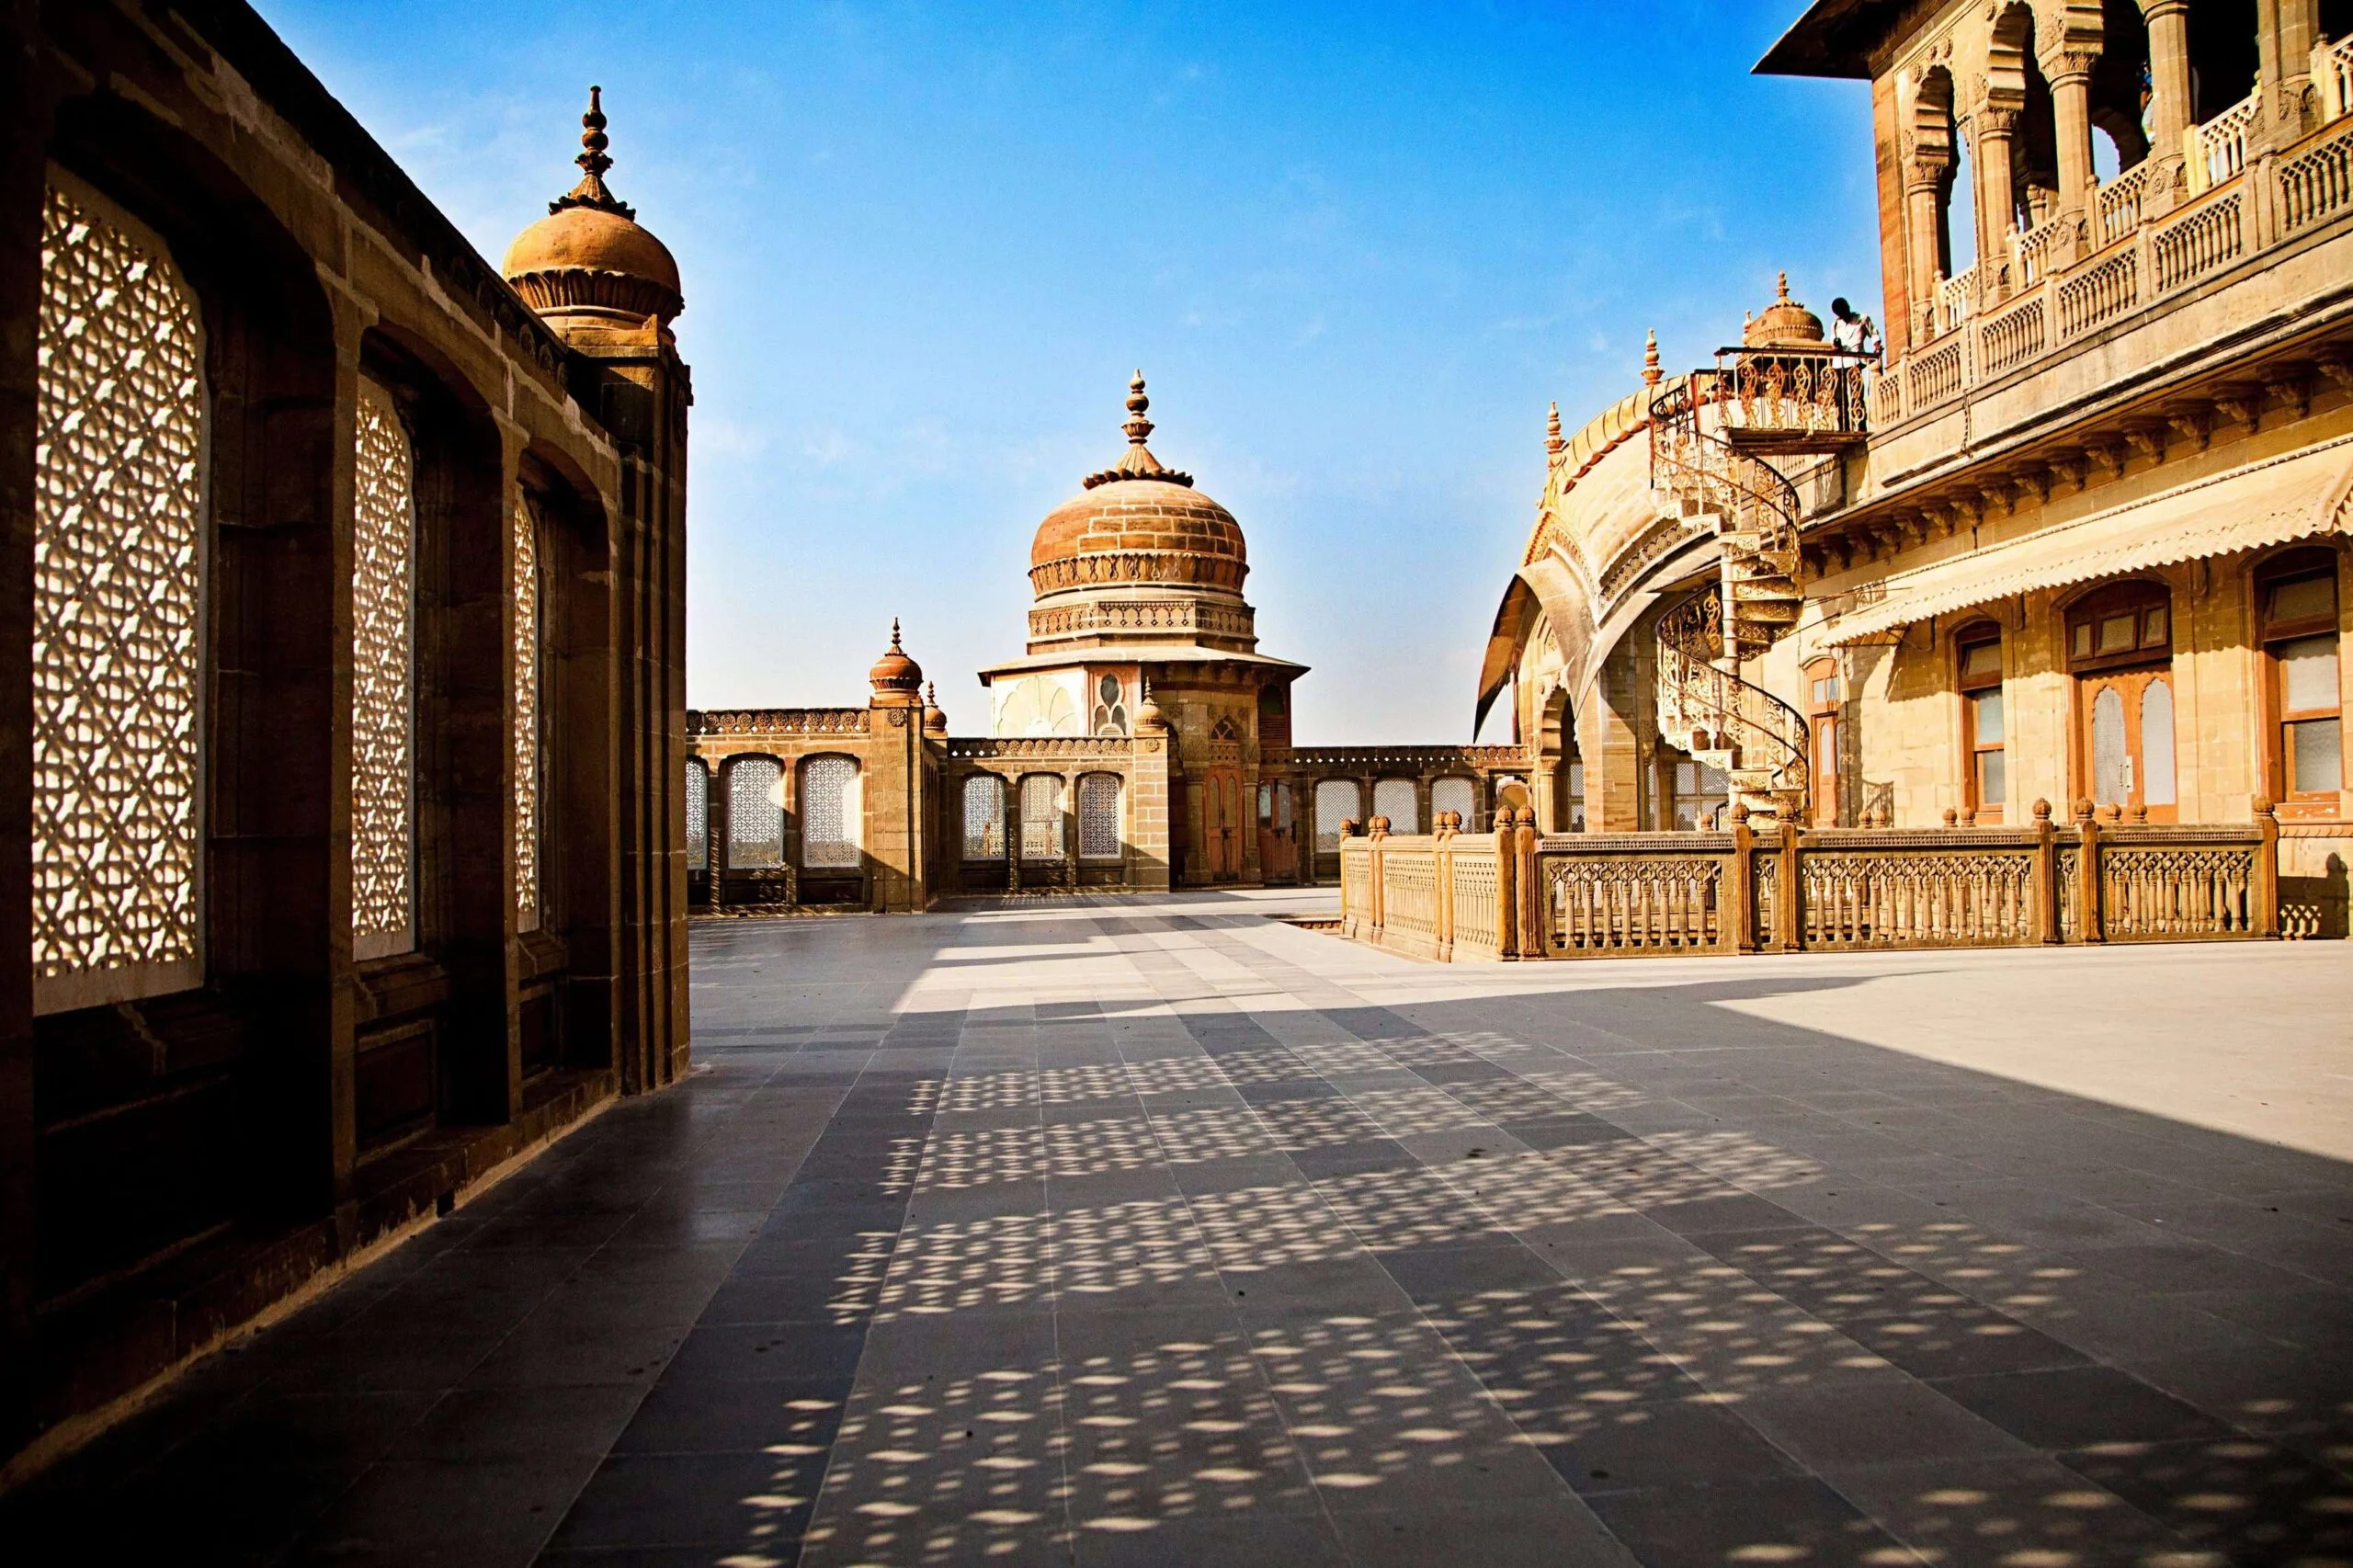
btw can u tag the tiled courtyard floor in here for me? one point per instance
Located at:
(1165, 1233)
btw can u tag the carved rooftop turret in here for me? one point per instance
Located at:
(1785, 324)
(897, 679)
(588, 260)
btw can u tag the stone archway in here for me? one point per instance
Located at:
(1550, 785)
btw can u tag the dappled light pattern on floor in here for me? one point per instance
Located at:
(1233, 1245)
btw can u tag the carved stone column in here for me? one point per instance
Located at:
(1922, 178)
(2169, 105)
(2070, 76)
(1998, 199)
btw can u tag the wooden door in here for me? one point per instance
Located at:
(1222, 801)
(1278, 835)
(1826, 770)
(2128, 742)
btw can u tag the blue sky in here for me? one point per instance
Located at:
(1354, 252)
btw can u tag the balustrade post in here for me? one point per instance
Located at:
(1531, 886)
(1442, 891)
(2264, 918)
(2087, 918)
(1375, 899)
(1507, 889)
(1787, 911)
(1738, 912)
(2046, 875)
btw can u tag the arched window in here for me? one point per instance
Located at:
(829, 813)
(1985, 728)
(754, 814)
(1098, 816)
(1576, 795)
(117, 588)
(1041, 817)
(525, 588)
(698, 814)
(1336, 801)
(1394, 799)
(1110, 711)
(984, 817)
(2120, 648)
(1458, 795)
(2296, 608)
(384, 713)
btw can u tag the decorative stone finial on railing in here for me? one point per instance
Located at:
(1651, 374)
(2041, 809)
(1554, 443)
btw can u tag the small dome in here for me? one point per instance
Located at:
(1785, 324)
(1138, 521)
(894, 673)
(1148, 711)
(589, 252)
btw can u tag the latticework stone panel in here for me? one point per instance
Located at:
(698, 814)
(754, 814)
(829, 813)
(525, 589)
(383, 707)
(1098, 816)
(117, 634)
(984, 817)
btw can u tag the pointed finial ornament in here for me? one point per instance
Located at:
(593, 161)
(1781, 290)
(1137, 461)
(1651, 374)
(894, 636)
(1552, 441)
(1137, 427)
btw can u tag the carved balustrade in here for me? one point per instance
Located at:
(2140, 246)
(1513, 893)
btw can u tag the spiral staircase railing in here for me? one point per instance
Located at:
(1708, 431)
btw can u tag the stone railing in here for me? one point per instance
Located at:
(1516, 895)
(1040, 748)
(1990, 323)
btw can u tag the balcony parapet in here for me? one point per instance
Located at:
(2041, 307)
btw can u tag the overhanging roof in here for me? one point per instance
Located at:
(2305, 493)
(1137, 654)
(1835, 37)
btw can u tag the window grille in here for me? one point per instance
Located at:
(1454, 795)
(754, 814)
(698, 814)
(1098, 817)
(984, 817)
(829, 811)
(1041, 817)
(1336, 801)
(525, 588)
(383, 718)
(117, 616)
(1394, 799)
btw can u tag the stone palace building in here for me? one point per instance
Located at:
(342, 664)
(1142, 742)
(2078, 537)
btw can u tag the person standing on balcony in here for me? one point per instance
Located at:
(1854, 334)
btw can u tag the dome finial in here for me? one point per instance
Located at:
(1137, 427)
(1651, 374)
(1552, 441)
(593, 161)
(1782, 287)
(1137, 461)
(894, 636)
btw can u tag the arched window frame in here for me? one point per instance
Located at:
(1332, 808)
(765, 804)
(1979, 668)
(1454, 792)
(820, 778)
(101, 931)
(383, 683)
(2095, 637)
(983, 806)
(1102, 833)
(1041, 800)
(1399, 800)
(2299, 632)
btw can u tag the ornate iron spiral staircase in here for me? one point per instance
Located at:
(1785, 392)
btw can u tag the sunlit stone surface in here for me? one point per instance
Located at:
(1160, 1232)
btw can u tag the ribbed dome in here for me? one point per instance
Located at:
(1785, 324)
(589, 252)
(894, 672)
(1138, 522)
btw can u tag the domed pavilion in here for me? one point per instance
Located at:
(1138, 589)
